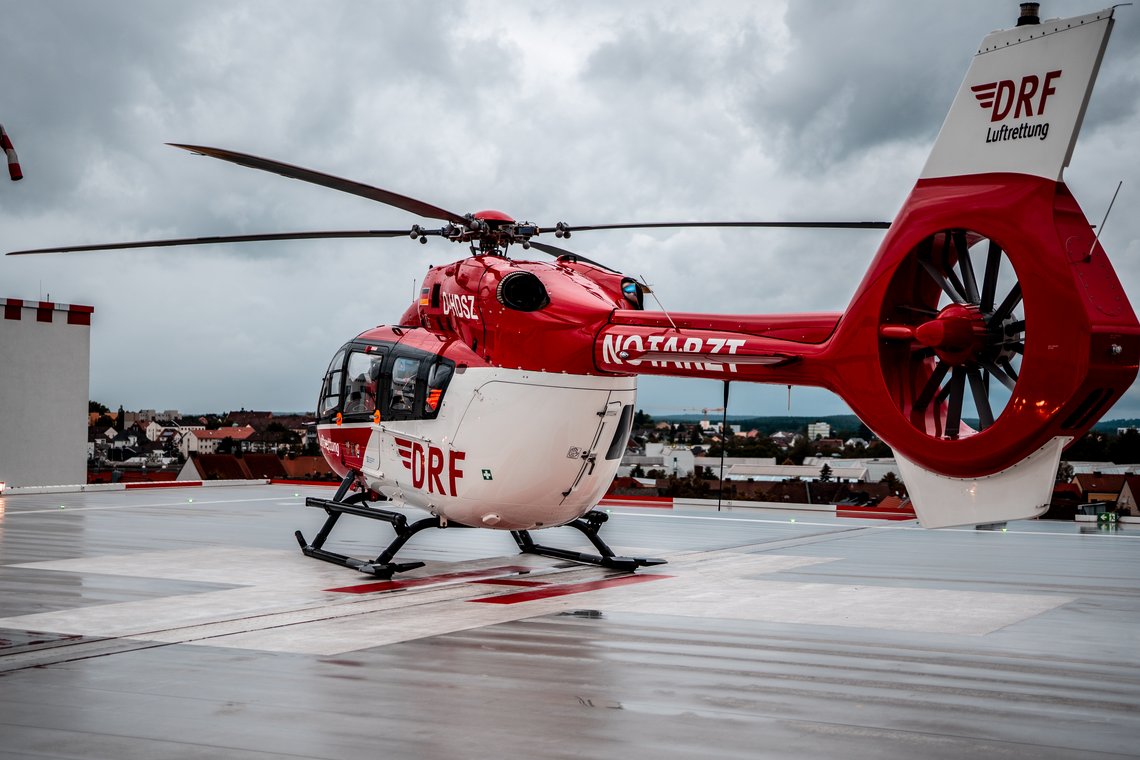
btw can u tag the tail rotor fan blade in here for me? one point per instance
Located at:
(981, 394)
(957, 388)
(969, 281)
(1012, 299)
(990, 280)
(948, 269)
(937, 272)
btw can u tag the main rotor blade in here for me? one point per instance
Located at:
(557, 252)
(656, 225)
(327, 180)
(218, 239)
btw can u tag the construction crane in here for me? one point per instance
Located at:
(705, 412)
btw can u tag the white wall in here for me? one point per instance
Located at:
(44, 373)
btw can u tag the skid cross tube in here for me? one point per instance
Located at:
(588, 524)
(382, 566)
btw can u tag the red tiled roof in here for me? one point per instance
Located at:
(219, 467)
(626, 483)
(890, 502)
(238, 433)
(1100, 483)
(264, 466)
(302, 467)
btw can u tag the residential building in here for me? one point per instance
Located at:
(1127, 503)
(672, 460)
(1098, 486)
(779, 472)
(818, 430)
(208, 441)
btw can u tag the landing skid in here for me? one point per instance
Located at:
(589, 524)
(384, 567)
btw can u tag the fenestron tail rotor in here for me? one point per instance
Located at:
(943, 332)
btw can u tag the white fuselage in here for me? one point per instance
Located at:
(510, 449)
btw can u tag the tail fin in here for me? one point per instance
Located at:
(1004, 333)
(1021, 105)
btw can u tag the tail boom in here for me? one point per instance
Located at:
(990, 295)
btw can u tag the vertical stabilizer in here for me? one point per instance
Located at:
(1021, 105)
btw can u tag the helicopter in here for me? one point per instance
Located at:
(989, 331)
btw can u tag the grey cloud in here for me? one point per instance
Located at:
(864, 74)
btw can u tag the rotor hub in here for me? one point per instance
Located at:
(957, 334)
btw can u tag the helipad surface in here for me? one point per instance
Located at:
(186, 623)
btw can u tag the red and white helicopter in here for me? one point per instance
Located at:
(503, 398)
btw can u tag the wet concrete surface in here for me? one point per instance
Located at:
(185, 623)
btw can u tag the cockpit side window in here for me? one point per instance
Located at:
(634, 293)
(439, 375)
(362, 376)
(402, 388)
(621, 433)
(330, 401)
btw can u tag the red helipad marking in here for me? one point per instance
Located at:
(367, 588)
(510, 582)
(875, 515)
(565, 589)
(652, 502)
(163, 484)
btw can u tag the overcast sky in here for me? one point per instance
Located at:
(585, 112)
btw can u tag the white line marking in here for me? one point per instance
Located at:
(133, 506)
(914, 527)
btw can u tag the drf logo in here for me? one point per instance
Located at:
(999, 98)
(429, 465)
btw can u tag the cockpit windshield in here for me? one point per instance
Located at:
(384, 382)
